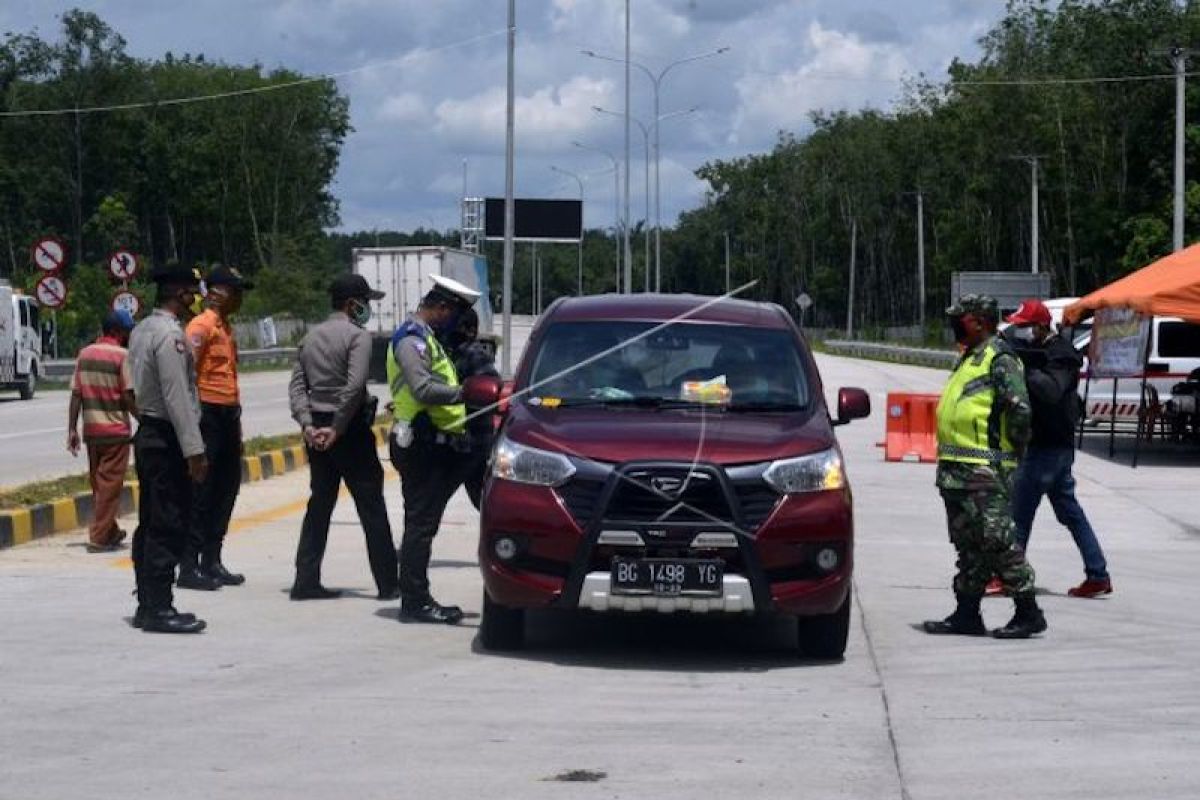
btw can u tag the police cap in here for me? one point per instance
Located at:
(175, 275)
(349, 286)
(981, 305)
(221, 275)
(449, 292)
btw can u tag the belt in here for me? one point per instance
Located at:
(950, 451)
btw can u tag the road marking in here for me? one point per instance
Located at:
(29, 433)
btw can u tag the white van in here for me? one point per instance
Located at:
(20, 342)
(1174, 354)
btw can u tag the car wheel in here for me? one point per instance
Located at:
(29, 385)
(501, 627)
(824, 636)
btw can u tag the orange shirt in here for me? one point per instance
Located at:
(215, 351)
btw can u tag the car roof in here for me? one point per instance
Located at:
(664, 307)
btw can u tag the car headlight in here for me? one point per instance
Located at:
(521, 464)
(818, 472)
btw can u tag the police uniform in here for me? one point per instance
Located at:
(429, 446)
(168, 434)
(983, 423)
(329, 390)
(214, 348)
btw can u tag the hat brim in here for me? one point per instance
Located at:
(375, 294)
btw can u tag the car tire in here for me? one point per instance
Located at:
(29, 385)
(501, 627)
(824, 636)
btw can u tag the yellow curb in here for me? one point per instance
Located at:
(22, 525)
(65, 517)
(299, 455)
(254, 470)
(278, 463)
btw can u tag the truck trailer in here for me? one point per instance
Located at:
(20, 342)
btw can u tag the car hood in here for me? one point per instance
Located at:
(620, 435)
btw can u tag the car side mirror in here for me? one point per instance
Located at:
(481, 391)
(852, 404)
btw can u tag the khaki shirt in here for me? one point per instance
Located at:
(164, 378)
(331, 372)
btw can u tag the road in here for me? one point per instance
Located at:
(37, 429)
(280, 699)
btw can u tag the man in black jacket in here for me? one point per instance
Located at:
(471, 358)
(1052, 373)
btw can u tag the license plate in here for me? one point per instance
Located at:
(667, 577)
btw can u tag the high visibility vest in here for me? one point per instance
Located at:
(970, 428)
(448, 418)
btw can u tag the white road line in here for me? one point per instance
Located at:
(32, 433)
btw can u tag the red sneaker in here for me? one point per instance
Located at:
(1091, 588)
(994, 588)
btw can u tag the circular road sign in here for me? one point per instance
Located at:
(51, 291)
(804, 301)
(123, 265)
(49, 254)
(126, 301)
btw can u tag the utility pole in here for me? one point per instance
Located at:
(1034, 225)
(628, 248)
(727, 270)
(509, 205)
(853, 270)
(921, 260)
(1179, 55)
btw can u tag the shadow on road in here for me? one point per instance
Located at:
(677, 643)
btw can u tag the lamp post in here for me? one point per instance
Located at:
(509, 203)
(656, 80)
(578, 180)
(616, 200)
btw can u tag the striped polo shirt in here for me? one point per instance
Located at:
(101, 379)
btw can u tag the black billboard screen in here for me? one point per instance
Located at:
(536, 220)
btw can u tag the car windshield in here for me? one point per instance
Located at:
(644, 364)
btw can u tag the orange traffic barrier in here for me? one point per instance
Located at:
(911, 432)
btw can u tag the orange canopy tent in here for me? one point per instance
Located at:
(1170, 287)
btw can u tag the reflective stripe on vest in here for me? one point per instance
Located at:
(969, 429)
(448, 418)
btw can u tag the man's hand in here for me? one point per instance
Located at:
(197, 467)
(73, 442)
(326, 436)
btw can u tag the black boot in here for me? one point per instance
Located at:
(139, 616)
(216, 569)
(168, 620)
(431, 611)
(313, 591)
(1027, 621)
(965, 621)
(192, 577)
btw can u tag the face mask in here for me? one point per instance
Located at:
(360, 313)
(1024, 335)
(446, 327)
(959, 328)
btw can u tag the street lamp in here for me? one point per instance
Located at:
(656, 80)
(616, 200)
(579, 181)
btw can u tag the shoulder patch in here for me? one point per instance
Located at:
(420, 345)
(180, 347)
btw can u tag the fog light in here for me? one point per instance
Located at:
(827, 559)
(505, 548)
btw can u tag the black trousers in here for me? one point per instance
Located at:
(430, 474)
(164, 510)
(213, 507)
(351, 459)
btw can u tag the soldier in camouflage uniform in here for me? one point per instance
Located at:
(983, 426)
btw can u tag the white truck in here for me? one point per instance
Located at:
(20, 342)
(403, 275)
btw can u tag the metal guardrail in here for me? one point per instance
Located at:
(920, 356)
(61, 369)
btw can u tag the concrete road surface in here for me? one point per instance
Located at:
(336, 699)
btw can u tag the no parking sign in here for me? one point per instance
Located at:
(51, 291)
(125, 300)
(49, 254)
(123, 265)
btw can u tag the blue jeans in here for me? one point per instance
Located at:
(1046, 471)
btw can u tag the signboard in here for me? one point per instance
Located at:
(51, 291)
(1118, 348)
(536, 220)
(268, 337)
(123, 265)
(126, 301)
(804, 302)
(49, 254)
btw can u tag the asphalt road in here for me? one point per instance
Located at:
(280, 699)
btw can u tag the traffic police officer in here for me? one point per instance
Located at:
(428, 445)
(214, 347)
(983, 424)
(168, 449)
(329, 399)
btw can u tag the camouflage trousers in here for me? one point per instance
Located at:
(981, 530)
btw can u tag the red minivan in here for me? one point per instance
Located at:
(663, 454)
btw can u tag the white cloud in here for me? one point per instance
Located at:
(404, 107)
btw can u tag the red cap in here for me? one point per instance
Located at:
(1031, 312)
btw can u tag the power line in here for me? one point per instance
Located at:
(179, 101)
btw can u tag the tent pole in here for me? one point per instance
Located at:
(1112, 422)
(1087, 389)
(1137, 446)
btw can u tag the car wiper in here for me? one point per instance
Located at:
(763, 406)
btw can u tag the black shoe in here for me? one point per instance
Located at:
(1027, 621)
(388, 594)
(430, 611)
(139, 616)
(193, 577)
(965, 621)
(217, 570)
(313, 592)
(168, 620)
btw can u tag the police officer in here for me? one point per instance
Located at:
(329, 399)
(428, 445)
(168, 449)
(983, 423)
(214, 347)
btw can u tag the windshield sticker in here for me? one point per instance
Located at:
(710, 392)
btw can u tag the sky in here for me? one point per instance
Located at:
(427, 79)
